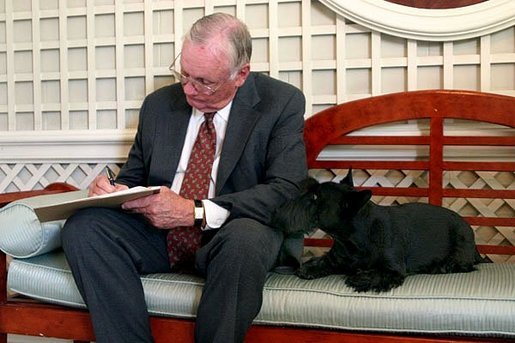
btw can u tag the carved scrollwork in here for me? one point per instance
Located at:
(428, 24)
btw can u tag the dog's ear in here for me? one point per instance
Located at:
(308, 185)
(347, 180)
(359, 199)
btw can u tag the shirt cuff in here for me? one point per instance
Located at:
(215, 215)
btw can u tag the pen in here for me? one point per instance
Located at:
(110, 175)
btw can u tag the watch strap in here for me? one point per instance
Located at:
(199, 213)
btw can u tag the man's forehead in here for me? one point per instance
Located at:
(204, 59)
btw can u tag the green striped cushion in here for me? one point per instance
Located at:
(477, 303)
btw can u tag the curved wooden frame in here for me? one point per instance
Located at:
(333, 126)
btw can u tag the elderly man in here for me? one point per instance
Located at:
(226, 145)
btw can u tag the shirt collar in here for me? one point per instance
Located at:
(223, 113)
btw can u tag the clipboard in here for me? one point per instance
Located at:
(63, 210)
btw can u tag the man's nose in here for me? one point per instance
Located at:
(189, 89)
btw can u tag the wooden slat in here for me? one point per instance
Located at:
(447, 193)
(398, 191)
(479, 193)
(318, 242)
(359, 164)
(381, 140)
(480, 166)
(496, 249)
(490, 221)
(424, 140)
(436, 165)
(479, 141)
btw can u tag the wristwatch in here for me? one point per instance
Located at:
(199, 213)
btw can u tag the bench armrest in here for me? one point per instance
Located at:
(22, 234)
(57, 187)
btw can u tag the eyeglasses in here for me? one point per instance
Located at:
(199, 85)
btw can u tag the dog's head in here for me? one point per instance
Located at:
(324, 205)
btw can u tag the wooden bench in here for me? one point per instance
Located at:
(429, 113)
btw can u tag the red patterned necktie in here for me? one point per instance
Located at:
(183, 242)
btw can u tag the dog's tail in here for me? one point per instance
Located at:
(481, 259)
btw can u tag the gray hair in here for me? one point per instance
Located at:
(235, 32)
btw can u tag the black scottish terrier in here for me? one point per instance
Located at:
(376, 247)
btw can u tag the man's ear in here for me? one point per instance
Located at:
(347, 180)
(242, 75)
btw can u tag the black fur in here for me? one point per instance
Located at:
(376, 247)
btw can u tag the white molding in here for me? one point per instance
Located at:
(65, 146)
(428, 24)
(112, 146)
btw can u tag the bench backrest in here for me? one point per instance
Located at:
(432, 110)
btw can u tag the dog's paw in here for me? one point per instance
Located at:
(306, 274)
(312, 269)
(375, 281)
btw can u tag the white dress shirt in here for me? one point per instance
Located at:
(215, 215)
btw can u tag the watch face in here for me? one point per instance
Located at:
(199, 210)
(199, 213)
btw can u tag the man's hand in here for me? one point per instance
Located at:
(101, 185)
(164, 210)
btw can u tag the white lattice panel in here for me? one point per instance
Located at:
(19, 177)
(69, 65)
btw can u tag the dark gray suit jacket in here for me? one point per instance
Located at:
(263, 156)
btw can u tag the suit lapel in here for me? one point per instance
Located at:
(241, 123)
(175, 133)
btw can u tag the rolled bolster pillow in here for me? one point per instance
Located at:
(22, 234)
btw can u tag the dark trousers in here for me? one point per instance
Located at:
(108, 250)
